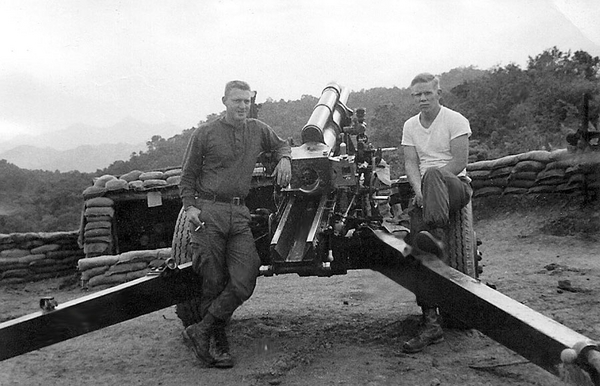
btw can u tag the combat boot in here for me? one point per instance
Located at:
(430, 333)
(198, 335)
(433, 242)
(221, 353)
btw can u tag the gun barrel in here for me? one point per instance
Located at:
(323, 126)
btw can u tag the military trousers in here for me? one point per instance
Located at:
(443, 193)
(225, 257)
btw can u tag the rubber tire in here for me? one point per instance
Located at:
(462, 242)
(189, 312)
(462, 253)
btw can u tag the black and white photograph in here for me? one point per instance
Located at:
(269, 192)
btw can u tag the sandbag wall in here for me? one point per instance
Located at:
(559, 171)
(117, 269)
(26, 257)
(97, 225)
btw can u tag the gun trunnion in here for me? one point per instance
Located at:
(328, 221)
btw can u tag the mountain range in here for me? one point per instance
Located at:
(82, 147)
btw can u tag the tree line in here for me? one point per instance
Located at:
(511, 110)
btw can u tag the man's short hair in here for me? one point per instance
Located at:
(426, 77)
(239, 84)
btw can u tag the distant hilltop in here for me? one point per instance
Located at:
(129, 130)
(81, 147)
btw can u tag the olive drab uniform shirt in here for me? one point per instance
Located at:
(220, 158)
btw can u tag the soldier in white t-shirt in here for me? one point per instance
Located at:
(436, 149)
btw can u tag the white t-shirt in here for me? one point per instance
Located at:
(433, 143)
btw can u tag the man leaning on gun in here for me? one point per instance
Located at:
(215, 180)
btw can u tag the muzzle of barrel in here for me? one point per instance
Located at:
(323, 125)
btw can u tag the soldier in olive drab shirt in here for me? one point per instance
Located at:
(216, 176)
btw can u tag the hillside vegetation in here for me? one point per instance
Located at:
(511, 110)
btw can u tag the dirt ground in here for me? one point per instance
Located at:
(345, 330)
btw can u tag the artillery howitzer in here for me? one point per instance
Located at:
(328, 221)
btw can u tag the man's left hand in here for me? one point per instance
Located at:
(283, 172)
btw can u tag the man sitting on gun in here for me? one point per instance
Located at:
(216, 175)
(436, 149)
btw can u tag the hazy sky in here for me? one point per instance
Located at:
(96, 61)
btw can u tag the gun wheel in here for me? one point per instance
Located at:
(462, 252)
(462, 242)
(189, 312)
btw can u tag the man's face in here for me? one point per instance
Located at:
(237, 103)
(426, 96)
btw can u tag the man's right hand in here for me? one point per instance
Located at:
(419, 200)
(193, 214)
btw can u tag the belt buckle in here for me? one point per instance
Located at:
(235, 201)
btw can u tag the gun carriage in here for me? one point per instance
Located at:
(331, 219)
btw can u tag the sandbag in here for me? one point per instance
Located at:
(152, 176)
(137, 274)
(488, 191)
(52, 275)
(45, 248)
(174, 180)
(99, 211)
(21, 260)
(132, 175)
(594, 185)
(91, 233)
(542, 189)
(493, 164)
(99, 219)
(13, 280)
(54, 262)
(501, 172)
(529, 166)
(93, 191)
(95, 248)
(577, 179)
(478, 184)
(535, 155)
(21, 273)
(117, 184)
(567, 188)
(562, 164)
(496, 182)
(515, 190)
(59, 255)
(136, 256)
(97, 225)
(107, 280)
(571, 170)
(509, 160)
(523, 176)
(172, 172)
(92, 262)
(550, 173)
(100, 182)
(126, 267)
(37, 269)
(550, 181)
(479, 174)
(14, 253)
(98, 240)
(560, 154)
(95, 271)
(99, 201)
(151, 183)
(521, 184)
